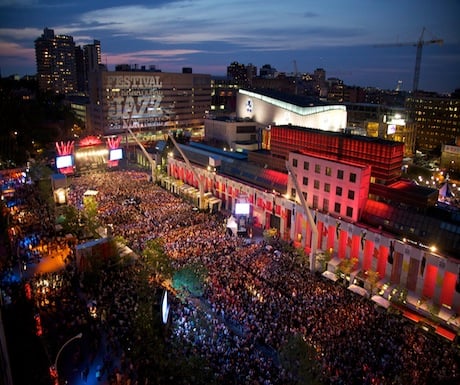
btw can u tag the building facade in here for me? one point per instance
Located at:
(267, 108)
(436, 120)
(384, 156)
(331, 186)
(148, 101)
(56, 62)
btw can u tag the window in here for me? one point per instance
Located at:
(328, 171)
(317, 168)
(327, 187)
(315, 201)
(351, 194)
(316, 184)
(339, 174)
(305, 181)
(304, 195)
(326, 204)
(349, 211)
(337, 208)
(306, 165)
(293, 192)
(294, 162)
(352, 177)
(338, 191)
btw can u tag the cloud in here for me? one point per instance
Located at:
(13, 50)
(20, 33)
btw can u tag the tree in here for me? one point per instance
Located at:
(189, 280)
(157, 260)
(299, 358)
(372, 279)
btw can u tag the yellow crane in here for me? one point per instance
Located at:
(418, 58)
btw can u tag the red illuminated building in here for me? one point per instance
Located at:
(384, 156)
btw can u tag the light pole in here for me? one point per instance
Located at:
(79, 335)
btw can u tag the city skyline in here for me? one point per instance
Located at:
(340, 37)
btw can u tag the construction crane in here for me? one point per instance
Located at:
(296, 77)
(311, 221)
(418, 58)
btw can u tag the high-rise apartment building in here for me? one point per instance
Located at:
(56, 62)
(436, 120)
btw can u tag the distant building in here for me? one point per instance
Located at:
(436, 120)
(148, 101)
(241, 74)
(450, 157)
(381, 121)
(56, 62)
(233, 133)
(269, 107)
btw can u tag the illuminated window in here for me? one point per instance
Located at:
(317, 168)
(305, 181)
(338, 191)
(339, 174)
(351, 194)
(328, 171)
(327, 187)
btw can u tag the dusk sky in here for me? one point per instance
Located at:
(207, 35)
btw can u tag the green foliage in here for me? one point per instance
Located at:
(69, 219)
(90, 213)
(157, 261)
(270, 234)
(299, 358)
(189, 280)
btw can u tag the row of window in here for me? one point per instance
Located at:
(326, 208)
(327, 170)
(327, 188)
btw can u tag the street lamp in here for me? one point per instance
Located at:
(79, 335)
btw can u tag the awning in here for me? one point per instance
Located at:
(330, 275)
(445, 333)
(379, 300)
(358, 290)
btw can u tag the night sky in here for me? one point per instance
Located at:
(207, 35)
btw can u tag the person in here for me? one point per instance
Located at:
(84, 373)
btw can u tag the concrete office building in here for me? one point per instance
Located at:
(148, 101)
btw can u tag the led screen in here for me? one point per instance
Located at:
(116, 154)
(242, 208)
(64, 161)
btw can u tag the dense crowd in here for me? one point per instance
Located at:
(257, 296)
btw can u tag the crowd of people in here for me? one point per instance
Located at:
(256, 298)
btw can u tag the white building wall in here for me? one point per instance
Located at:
(268, 111)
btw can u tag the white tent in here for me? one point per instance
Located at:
(359, 290)
(379, 300)
(232, 225)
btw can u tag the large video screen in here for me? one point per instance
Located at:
(64, 161)
(242, 208)
(116, 154)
